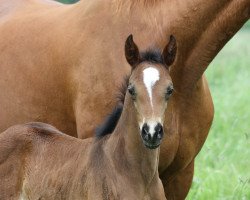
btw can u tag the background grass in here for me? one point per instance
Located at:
(222, 169)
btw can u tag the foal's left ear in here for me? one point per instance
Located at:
(169, 51)
(132, 52)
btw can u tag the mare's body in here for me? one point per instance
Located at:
(37, 161)
(56, 59)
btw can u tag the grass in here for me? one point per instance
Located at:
(222, 169)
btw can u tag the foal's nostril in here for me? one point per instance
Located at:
(152, 134)
(145, 133)
(159, 131)
(158, 128)
(146, 137)
(159, 136)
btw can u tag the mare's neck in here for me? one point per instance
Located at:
(201, 27)
(127, 149)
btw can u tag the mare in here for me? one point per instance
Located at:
(60, 64)
(37, 161)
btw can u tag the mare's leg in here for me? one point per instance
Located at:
(176, 187)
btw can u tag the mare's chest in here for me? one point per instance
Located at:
(187, 124)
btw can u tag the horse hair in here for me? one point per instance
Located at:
(110, 122)
(122, 90)
(153, 56)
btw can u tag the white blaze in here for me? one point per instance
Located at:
(152, 125)
(150, 77)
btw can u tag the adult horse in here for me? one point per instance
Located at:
(123, 165)
(55, 59)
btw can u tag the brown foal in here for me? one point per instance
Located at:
(37, 161)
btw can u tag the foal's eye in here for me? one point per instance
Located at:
(131, 90)
(169, 91)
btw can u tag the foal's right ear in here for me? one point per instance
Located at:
(131, 52)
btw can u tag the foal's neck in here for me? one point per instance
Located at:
(126, 143)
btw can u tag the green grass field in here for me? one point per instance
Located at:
(222, 168)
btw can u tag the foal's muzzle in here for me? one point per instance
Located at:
(152, 135)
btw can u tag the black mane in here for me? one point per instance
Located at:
(109, 124)
(122, 90)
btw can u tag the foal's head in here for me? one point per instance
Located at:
(150, 87)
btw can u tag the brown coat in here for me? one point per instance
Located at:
(59, 64)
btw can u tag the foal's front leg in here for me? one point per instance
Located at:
(156, 190)
(178, 186)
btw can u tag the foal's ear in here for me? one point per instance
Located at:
(169, 51)
(131, 52)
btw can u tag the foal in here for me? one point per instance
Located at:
(39, 162)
